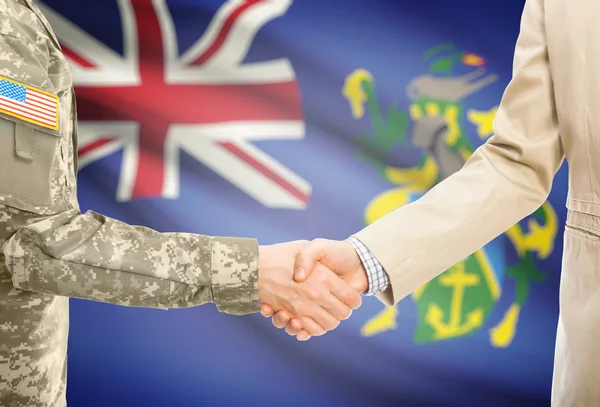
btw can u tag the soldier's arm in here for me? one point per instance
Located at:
(94, 257)
(53, 247)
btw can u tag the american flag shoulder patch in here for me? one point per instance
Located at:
(28, 103)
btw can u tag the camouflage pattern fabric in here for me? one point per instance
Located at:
(51, 251)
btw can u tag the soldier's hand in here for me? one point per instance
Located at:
(318, 304)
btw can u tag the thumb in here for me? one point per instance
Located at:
(307, 257)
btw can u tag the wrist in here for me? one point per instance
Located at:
(362, 285)
(359, 279)
(274, 275)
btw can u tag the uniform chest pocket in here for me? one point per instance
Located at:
(28, 160)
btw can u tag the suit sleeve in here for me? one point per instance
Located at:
(506, 179)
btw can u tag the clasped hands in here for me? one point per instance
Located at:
(309, 287)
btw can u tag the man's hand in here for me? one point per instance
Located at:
(318, 303)
(338, 256)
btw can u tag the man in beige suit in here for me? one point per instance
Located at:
(550, 109)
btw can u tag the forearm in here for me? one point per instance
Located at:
(94, 257)
(456, 218)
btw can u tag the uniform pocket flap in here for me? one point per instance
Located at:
(27, 167)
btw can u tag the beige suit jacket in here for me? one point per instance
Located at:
(550, 109)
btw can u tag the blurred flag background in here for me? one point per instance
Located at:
(283, 121)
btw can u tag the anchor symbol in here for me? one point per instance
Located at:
(457, 278)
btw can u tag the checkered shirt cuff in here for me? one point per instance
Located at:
(378, 278)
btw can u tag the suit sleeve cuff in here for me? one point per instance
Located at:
(376, 275)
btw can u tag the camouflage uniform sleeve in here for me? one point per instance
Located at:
(94, 257)
(63, 252)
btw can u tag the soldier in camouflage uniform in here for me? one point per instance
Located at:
(51, 251)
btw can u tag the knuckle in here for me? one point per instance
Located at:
(313, 294)
(322, 278)
(350, 298)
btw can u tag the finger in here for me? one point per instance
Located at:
(303, 336)
(345, 293)
(336, 286)
(306, 259)
(281, 319)
(311, 327)
(266, 310)
(323, 318)
(294, 327)
(336, 308)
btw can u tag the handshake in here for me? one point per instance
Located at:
(309, 287)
